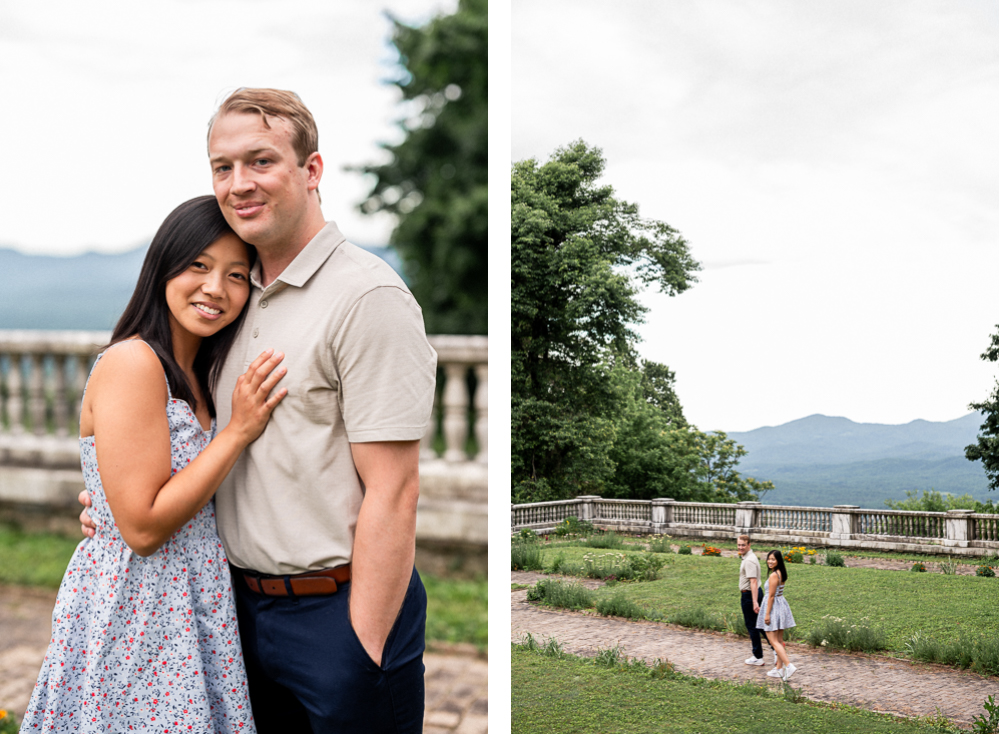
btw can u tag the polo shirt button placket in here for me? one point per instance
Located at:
(255, 332)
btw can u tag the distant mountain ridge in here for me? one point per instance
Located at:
(822, 460)
(820, 439)
(87, 291)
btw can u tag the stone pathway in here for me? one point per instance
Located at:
(455, 678)
(866, 681)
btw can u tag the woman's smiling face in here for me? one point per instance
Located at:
(212, 290)
(772, 561)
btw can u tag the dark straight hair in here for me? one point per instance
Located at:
(182, 237)
(780, 568)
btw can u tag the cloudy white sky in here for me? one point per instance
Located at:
(834, 166)
(106, 105)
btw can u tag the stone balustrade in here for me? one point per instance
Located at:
(956, 532)
(43, 373)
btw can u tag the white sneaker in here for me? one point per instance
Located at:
(776, 672)
(754, 661)
(788, 671)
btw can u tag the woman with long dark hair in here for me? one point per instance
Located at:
(144, 632)
(775, 615)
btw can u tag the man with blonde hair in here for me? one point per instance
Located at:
(751, 597)
(318, 516)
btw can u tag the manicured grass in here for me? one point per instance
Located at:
(938, 605)
(34, 559)
(456, 608)
(567, 694)
(761, 548)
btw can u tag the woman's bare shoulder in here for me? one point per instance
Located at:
(129, 365)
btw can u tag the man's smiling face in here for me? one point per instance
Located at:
(261, 188)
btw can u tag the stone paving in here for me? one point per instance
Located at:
(455, 678)
(872, 682)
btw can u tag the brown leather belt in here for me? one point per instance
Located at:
(311, 583)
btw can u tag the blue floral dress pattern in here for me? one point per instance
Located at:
(145, 644)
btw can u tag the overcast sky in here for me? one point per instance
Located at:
(834, 166)
(106, 105)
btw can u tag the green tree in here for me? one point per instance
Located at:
(658, 390)
(934, 501)
(578, 258)
(435, 182)
(720, 457)
(985, 448)
(587, 415)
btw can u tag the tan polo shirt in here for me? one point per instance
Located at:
(749, 569)
(360, 369)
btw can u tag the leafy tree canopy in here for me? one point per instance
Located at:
(589, 417)
(934, 501)
(435, 182)
(986, 447)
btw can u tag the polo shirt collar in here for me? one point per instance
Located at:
(307, 262)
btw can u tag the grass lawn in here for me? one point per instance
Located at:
(34, 559)
(763, 547)
(456, 608)
(575, 695)
(902, 603)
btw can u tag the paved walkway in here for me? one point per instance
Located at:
(455, 680)
(866, 681)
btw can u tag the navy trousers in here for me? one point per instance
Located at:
(307, 670)
(750, 620)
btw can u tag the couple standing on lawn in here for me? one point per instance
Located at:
(765, 609)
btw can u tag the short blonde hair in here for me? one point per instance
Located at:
(275, 103)
(744, 537)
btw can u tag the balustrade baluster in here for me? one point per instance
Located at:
(36, 395)
(80, 374)
(15, 400)
(60, 406)
(482, 407)
(427, 452)
(456, 410)
(3, 394)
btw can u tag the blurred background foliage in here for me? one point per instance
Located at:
(435, 181)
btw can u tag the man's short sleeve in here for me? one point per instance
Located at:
(386, 368)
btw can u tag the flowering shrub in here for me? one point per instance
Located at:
(8, 723)
(684, 550)
(837, 633)
(985, 571)
(918, 567)
(708, 550)
(795, 555)
(659, 543)
(572, 525)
